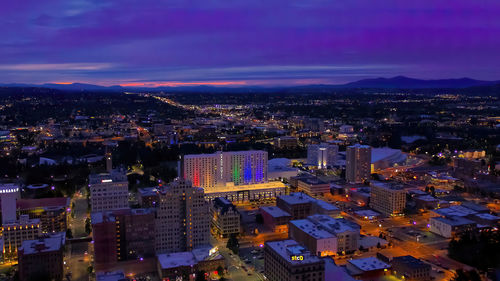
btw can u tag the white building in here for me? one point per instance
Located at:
(325, 235)
(387, 198)
(217, 170)
(322, 155)
(182, 218)
(450, 226)
(358, 163)
(108, 191)
(9, 193)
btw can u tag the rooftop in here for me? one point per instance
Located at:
(296, 198)
(42, 245)
(24, 204)
(288, 248)
(116, 175)
(369, 264)
(275, 212)
(411, 261)
(458, 211)
(454, 220)
(111, 276)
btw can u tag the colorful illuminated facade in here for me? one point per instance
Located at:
(221, 169)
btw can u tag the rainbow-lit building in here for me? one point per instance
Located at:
(220, 170)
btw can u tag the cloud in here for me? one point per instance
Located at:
(55, 66)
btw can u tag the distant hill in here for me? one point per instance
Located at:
(398, 82)
(402, 82)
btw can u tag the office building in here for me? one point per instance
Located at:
(41, 259)
(120, 235)
(451, 226)
(14, 233)
(182, 218)
(221, 169)
(358, 163)
(184, 265)
(9, 193)
(286, 142)
(313, 186)
(369, 268)
(288, 260)
(387, 198)
(109, 191)
(225, 217)
(411, 269)
(322, 156)
(52, 212)
(275, 218)
(300, 205)
(324, 235)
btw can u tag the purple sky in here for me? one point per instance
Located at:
(240, 42)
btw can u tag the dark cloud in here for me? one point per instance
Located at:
(332, 41)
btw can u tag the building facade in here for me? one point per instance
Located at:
(41, 259)
(217, 170)
(387, 198)
(182, 218)
(109, 191)
(358, 163)
(15, 233)
(322, 156)
(225, 217)
(120, 235)
(287, 260)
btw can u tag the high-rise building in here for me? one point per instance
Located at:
(217, 170)
(358, 163)
(109, 191)
(387, 198)
(9, 193)
(182, 218)
(287, 260)
(41, 259)
(120, 235)
(322, 155)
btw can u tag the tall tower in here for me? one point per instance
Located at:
(9, 193)
(182, 218)
(358, 163)
(322, 155)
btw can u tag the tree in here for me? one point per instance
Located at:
(201, 276)
(69, 233)
(259, 219)
(462, 275)
(88, 226)
(233, 244)
(378, 245)
(220, 271)
(433, 191)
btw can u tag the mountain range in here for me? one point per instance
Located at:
(398, 82)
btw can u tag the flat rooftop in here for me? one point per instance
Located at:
(314, 230)
(258, 186)
(454, 221)
(369, 264)
(334, 225)
(288, 248)
(296, 198)
(41, 245)
(275, 212)
(458, 211)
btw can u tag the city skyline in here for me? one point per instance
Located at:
(246, 44)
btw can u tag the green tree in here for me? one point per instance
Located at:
(88, 226)
(233, 244)
(220, 271)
